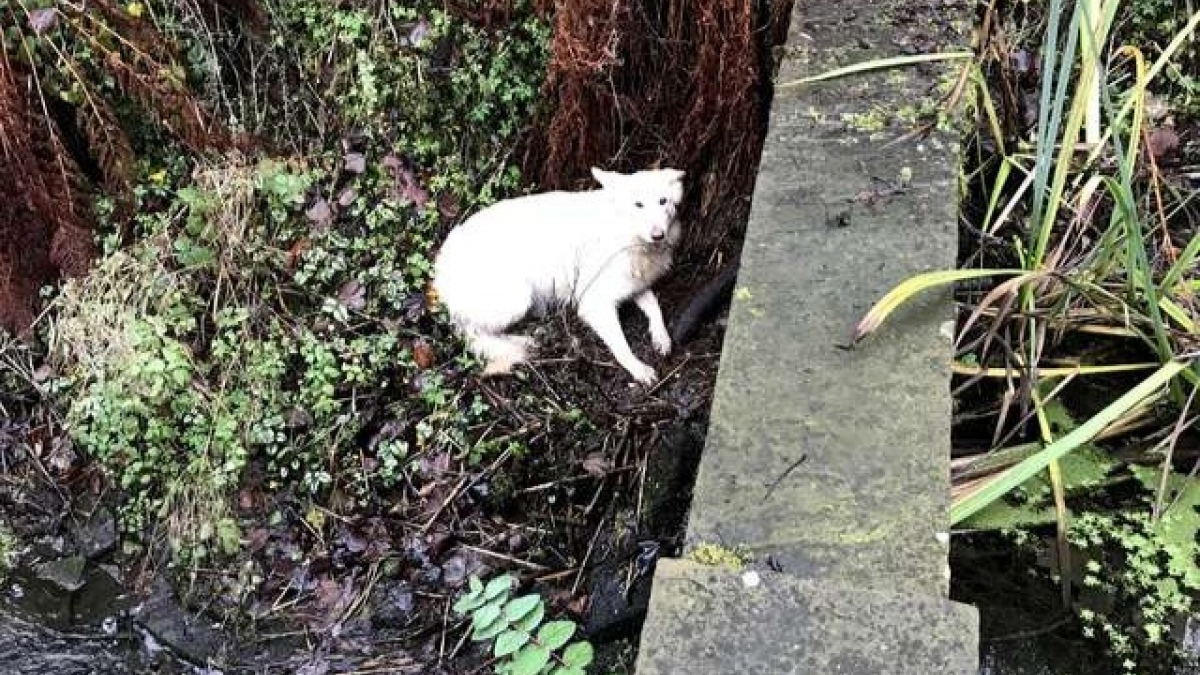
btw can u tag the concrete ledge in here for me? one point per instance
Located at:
(706, 621)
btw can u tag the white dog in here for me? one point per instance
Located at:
(593, 250)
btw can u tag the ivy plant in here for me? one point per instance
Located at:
(523, 643)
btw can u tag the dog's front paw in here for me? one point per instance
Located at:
(643, 374)
(662, 342)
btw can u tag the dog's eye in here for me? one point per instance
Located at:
(638, 204)
(662, 202)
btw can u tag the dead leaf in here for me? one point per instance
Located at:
(353, 295)
(248, 499)
(355, 162)
(296, 251)
(596, 464)
(42, 20)
(449, 205)
(1163, 142)
(347, 197)
(435, 466)
(257, 538)
(407, 186)
(298, 417)
(319, 213)
(417, 35)
(423, 354)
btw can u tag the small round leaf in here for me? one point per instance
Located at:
(469, 602)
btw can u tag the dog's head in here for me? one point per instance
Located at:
(646, 201)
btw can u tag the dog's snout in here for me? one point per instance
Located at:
(657, 235)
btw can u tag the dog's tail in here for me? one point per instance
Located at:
(499, 351)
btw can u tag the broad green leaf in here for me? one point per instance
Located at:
(469, 602)
(491, 630)
(484, 616)
(475, 584)
(510, 641)
(556, 634)
(521, 607)
(530, 660)
(578, 655)
(497, 586)
(533, 619)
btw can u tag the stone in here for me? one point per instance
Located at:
(97, 536)
(169, 623)
(65, 574)
(707, 621)
(834, 461)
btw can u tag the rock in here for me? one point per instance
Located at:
(391, 604)
(98, 536)
(65, 574)
(189, 635)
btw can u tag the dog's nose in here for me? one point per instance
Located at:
(657, 235)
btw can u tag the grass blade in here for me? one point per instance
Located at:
(877, 64)
(1003, 483)
(910, 287)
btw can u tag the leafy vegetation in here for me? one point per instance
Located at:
(523, 642)
(272, 309)
(1090, 241)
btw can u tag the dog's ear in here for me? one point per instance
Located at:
(606, 179)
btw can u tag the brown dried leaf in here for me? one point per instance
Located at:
(353, 295)
(1163, 142)
(296, 251)
(423, 354)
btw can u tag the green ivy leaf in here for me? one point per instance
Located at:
(532, 620)
(518, 609)
(475, 585)
(556, 634)
(510, 641)
(530, 660)
(578, 655)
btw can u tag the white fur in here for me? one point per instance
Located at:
(592, 250)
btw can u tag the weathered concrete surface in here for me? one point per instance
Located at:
(707, 620)
(831, 464)
(842, 212)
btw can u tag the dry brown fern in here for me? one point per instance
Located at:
(46, 224)
(639, 83)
